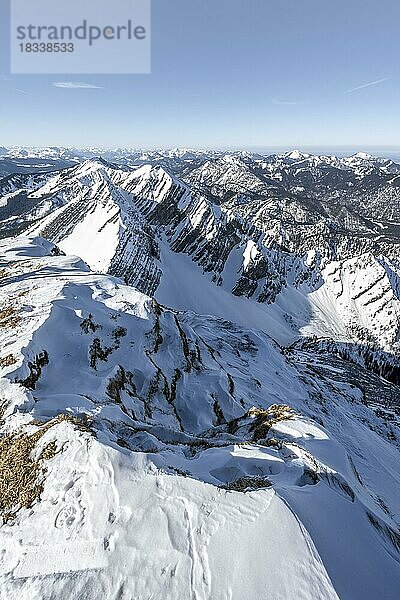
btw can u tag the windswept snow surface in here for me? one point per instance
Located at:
(210, 463)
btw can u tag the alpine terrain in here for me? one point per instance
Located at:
(199, 375)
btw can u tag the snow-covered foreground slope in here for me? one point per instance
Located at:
(154, 453)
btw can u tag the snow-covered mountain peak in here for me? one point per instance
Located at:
(295, 155)
(363, 155)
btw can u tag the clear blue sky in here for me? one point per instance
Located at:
(228, 73)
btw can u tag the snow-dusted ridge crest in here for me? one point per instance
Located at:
(267, 242)
(168, 445)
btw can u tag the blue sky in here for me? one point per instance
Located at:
(228, 73)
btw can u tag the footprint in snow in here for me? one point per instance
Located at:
(66, 517)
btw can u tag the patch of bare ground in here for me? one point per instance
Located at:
(7, 361)
(247, 484)
(35, 370)
(9, 318)
(22, 475)
(265, 419)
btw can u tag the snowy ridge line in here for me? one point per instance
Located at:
(152, 206)
(273, 251)
(178, 438)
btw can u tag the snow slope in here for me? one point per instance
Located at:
(170, 447)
